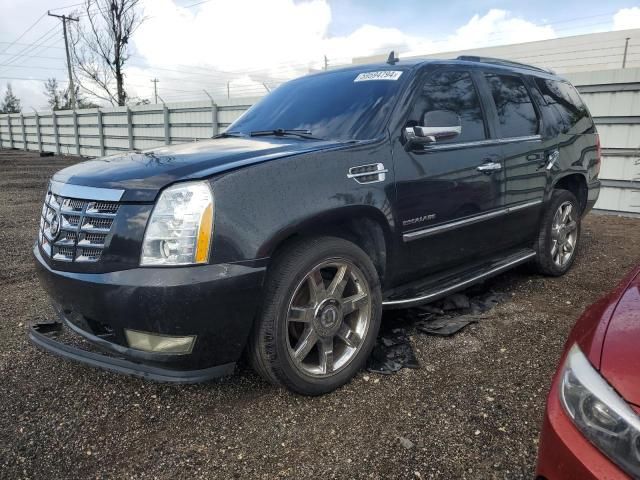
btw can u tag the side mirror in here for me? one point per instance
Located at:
(436, 125)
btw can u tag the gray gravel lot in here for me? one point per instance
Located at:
(472, 411)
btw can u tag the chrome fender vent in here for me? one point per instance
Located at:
(372, 173)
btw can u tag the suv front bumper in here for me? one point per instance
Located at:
(214, 303)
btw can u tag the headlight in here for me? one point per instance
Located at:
(180, 227)
(600, 413)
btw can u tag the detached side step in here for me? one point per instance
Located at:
(434, 288)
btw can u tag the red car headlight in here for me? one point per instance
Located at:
(600, 413)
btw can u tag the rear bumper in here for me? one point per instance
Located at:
(565, 454)
(215, 303)
(593, 192)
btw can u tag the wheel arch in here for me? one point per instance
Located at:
(576, 183)
(365, 226)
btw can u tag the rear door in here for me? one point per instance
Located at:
(525, 153)
(448, 201)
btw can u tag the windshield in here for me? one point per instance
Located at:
(340, 105)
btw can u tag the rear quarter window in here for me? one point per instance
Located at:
(565, 99)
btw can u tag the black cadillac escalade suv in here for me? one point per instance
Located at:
(336, 196)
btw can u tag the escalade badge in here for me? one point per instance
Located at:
(423, 218)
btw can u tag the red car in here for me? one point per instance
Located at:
(592, 423)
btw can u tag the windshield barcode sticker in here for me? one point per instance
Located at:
(381, 75)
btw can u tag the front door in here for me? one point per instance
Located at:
(449, 193)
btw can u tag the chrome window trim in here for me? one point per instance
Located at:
(527, 138)
(445, 227)
(462, 284)
(481, 143)
(68, 190)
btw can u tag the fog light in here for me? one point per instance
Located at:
(152, 342)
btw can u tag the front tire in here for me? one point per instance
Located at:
(559, 234)
(320, 317)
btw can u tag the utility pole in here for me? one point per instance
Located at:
(228, 91)
(72, 88)
(326, 62)
(624, 55)
(155, 89)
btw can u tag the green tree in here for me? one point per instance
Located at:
(52, 91)
(10, 103)
(59, 98)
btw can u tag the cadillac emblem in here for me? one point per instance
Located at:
(54, 226)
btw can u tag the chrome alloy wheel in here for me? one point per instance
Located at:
(328, 318)
(564, 234)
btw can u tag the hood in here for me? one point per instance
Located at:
(620, 363)
(142, 174)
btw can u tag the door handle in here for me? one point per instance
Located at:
(490, 167)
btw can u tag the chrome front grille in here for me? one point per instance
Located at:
(75, 230)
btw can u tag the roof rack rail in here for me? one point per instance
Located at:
(505, 63)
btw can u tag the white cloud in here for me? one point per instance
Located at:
(497, 27)
(627, 18)
(248, 43)
(280, 39)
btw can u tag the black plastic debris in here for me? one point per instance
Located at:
(393, 350)
(486, 301)
(457, 301)
(444, 326)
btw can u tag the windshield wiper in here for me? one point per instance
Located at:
(281, 132)
(229, 134)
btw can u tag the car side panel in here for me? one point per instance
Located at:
(578, 152)
(259, 207)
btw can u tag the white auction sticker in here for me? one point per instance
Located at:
(381, 75)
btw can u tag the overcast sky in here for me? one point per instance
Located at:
(255, 44)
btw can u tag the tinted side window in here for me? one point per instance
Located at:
(516, 112)
(565, 100)
(453, 91)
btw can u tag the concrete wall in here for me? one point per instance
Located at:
(613, 97)
(105, 131)
(580, 53)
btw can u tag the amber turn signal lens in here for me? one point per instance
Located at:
(204, 235)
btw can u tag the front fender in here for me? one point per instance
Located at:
(260, 206)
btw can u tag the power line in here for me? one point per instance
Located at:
(26, 78)
(24, 33)
(37, 56)
(42, 39)
(66, 6)
(37, 67)
(25, 45)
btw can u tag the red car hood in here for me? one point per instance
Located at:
(620, 363)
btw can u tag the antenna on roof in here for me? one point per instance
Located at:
(392, 59)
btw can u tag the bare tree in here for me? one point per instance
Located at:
(100, 47)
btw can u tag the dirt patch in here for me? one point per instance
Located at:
(472, 411)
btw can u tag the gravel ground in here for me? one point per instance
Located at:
(472, 411)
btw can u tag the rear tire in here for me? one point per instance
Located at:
(559, 234)
(320, 317)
